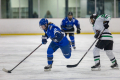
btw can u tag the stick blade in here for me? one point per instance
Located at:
(71, 66)
(5, 70)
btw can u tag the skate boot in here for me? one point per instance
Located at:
(96, 67)
(74, 47)
(48, 67)
(115, 65)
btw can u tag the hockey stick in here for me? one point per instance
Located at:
(9, 71)
(70, 66)
(69, 32)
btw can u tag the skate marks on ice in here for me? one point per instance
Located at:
(33, 67)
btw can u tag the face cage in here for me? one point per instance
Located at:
(91, 22)
(44, 26)
(41, 27)
(70, 18)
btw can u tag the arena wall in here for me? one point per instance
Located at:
(31, 26)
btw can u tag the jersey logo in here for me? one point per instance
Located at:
(55, 31)
(50, 27)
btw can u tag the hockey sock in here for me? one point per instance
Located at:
(111, 56)
(50, 55)
(113, 60)
(96, 54)
(72, 40)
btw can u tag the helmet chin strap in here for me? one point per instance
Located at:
(93, 22)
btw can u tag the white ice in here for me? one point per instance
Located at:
(13, 49)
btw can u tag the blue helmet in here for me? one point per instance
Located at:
(43, 21)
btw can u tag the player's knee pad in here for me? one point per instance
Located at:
(71, 38)
(110, 54)
(96, 51)
(67, 56)
(71, 35)
(66, 50)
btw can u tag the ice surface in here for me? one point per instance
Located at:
(15, 48)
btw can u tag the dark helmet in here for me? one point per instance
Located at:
(93, 16)
(70, 14)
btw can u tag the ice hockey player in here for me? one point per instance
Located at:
(67, 26)
(105, 40)
(59, 40)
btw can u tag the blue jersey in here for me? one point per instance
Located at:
(67, 24)
(54, 33)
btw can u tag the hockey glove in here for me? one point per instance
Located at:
(78, 30)
(44, 39)
(97, 34)
(106, 24)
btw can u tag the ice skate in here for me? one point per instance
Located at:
(96, 67)
(74, 47)
(115, 65)
(48, 67)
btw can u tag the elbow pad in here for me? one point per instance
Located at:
(58, 37)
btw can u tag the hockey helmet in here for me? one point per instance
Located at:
(93, 18)
(43, 21)
(70, 14)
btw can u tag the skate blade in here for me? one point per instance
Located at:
(95, 69)
(47, 70)
(117, 68)
(74, 48)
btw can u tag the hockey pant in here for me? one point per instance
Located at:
(66, 50)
